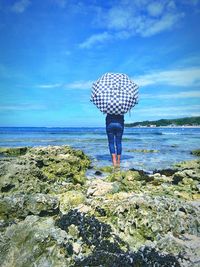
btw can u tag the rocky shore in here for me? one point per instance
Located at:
(53, 214)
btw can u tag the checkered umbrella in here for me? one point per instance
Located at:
(114, 93)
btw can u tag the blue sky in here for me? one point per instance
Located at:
(51, 51)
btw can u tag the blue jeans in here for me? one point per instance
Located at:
(114, 132)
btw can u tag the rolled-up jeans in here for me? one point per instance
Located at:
(114, 132)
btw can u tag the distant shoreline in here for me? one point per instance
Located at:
(187, 122)
(174, 127)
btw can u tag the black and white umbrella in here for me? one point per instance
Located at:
(114, 93)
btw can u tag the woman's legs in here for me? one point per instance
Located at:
(114, 160)
(111, 143)
(118, 140)
(111, 139)
(118, 160)
(114, 133)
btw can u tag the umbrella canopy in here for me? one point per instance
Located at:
(114, 93)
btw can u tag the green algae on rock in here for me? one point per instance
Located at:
(129, 180)
(63, 163)
(139, 217)
(183, 183)
(107, 169)
(13, 151)
(189, 164)
(34, 242)
(43, 170)
(196, 152)
(19, 206)
(70, 199)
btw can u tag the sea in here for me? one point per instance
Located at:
(169, 145)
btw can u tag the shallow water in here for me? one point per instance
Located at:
(173, 144)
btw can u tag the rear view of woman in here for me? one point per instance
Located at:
(114, 94)
(114, 130)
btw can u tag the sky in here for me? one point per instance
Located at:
(51, 51)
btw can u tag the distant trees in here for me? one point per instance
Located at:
(190, 121)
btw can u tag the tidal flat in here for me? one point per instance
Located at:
(53, 214)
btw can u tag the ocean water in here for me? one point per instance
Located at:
(173, 144)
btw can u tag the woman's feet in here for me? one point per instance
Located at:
(116, 162)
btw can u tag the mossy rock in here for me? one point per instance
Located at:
(13, 151)
(190, 176)
(70, 200)
(79, 178)
(34, 242)
(18, 206)
(99, 187)
(108, 169)
(43, 170)
(196, 196)
(129, 180)
(58, 171)
(139, 218)
(189, 164)
(196, 152)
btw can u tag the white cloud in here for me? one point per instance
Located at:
(25, 106)
(140, 17)
(155, 9)
(171, 108)
(20, 6)
(152, 18)
(96, 38)
(100, 38)
(48, 86)
(181, 77)
(189, 94)
(175, 111)
(118, 18)
(153, 26)
(72, 85)
(79, 85)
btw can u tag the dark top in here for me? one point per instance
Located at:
(114, 118)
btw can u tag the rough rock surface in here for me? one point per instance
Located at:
(52, 215)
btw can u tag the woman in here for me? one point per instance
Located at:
(114, 130)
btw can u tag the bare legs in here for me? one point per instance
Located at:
(116, 160)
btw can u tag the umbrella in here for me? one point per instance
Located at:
(114, 93)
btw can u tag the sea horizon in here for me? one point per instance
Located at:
(177, 126)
